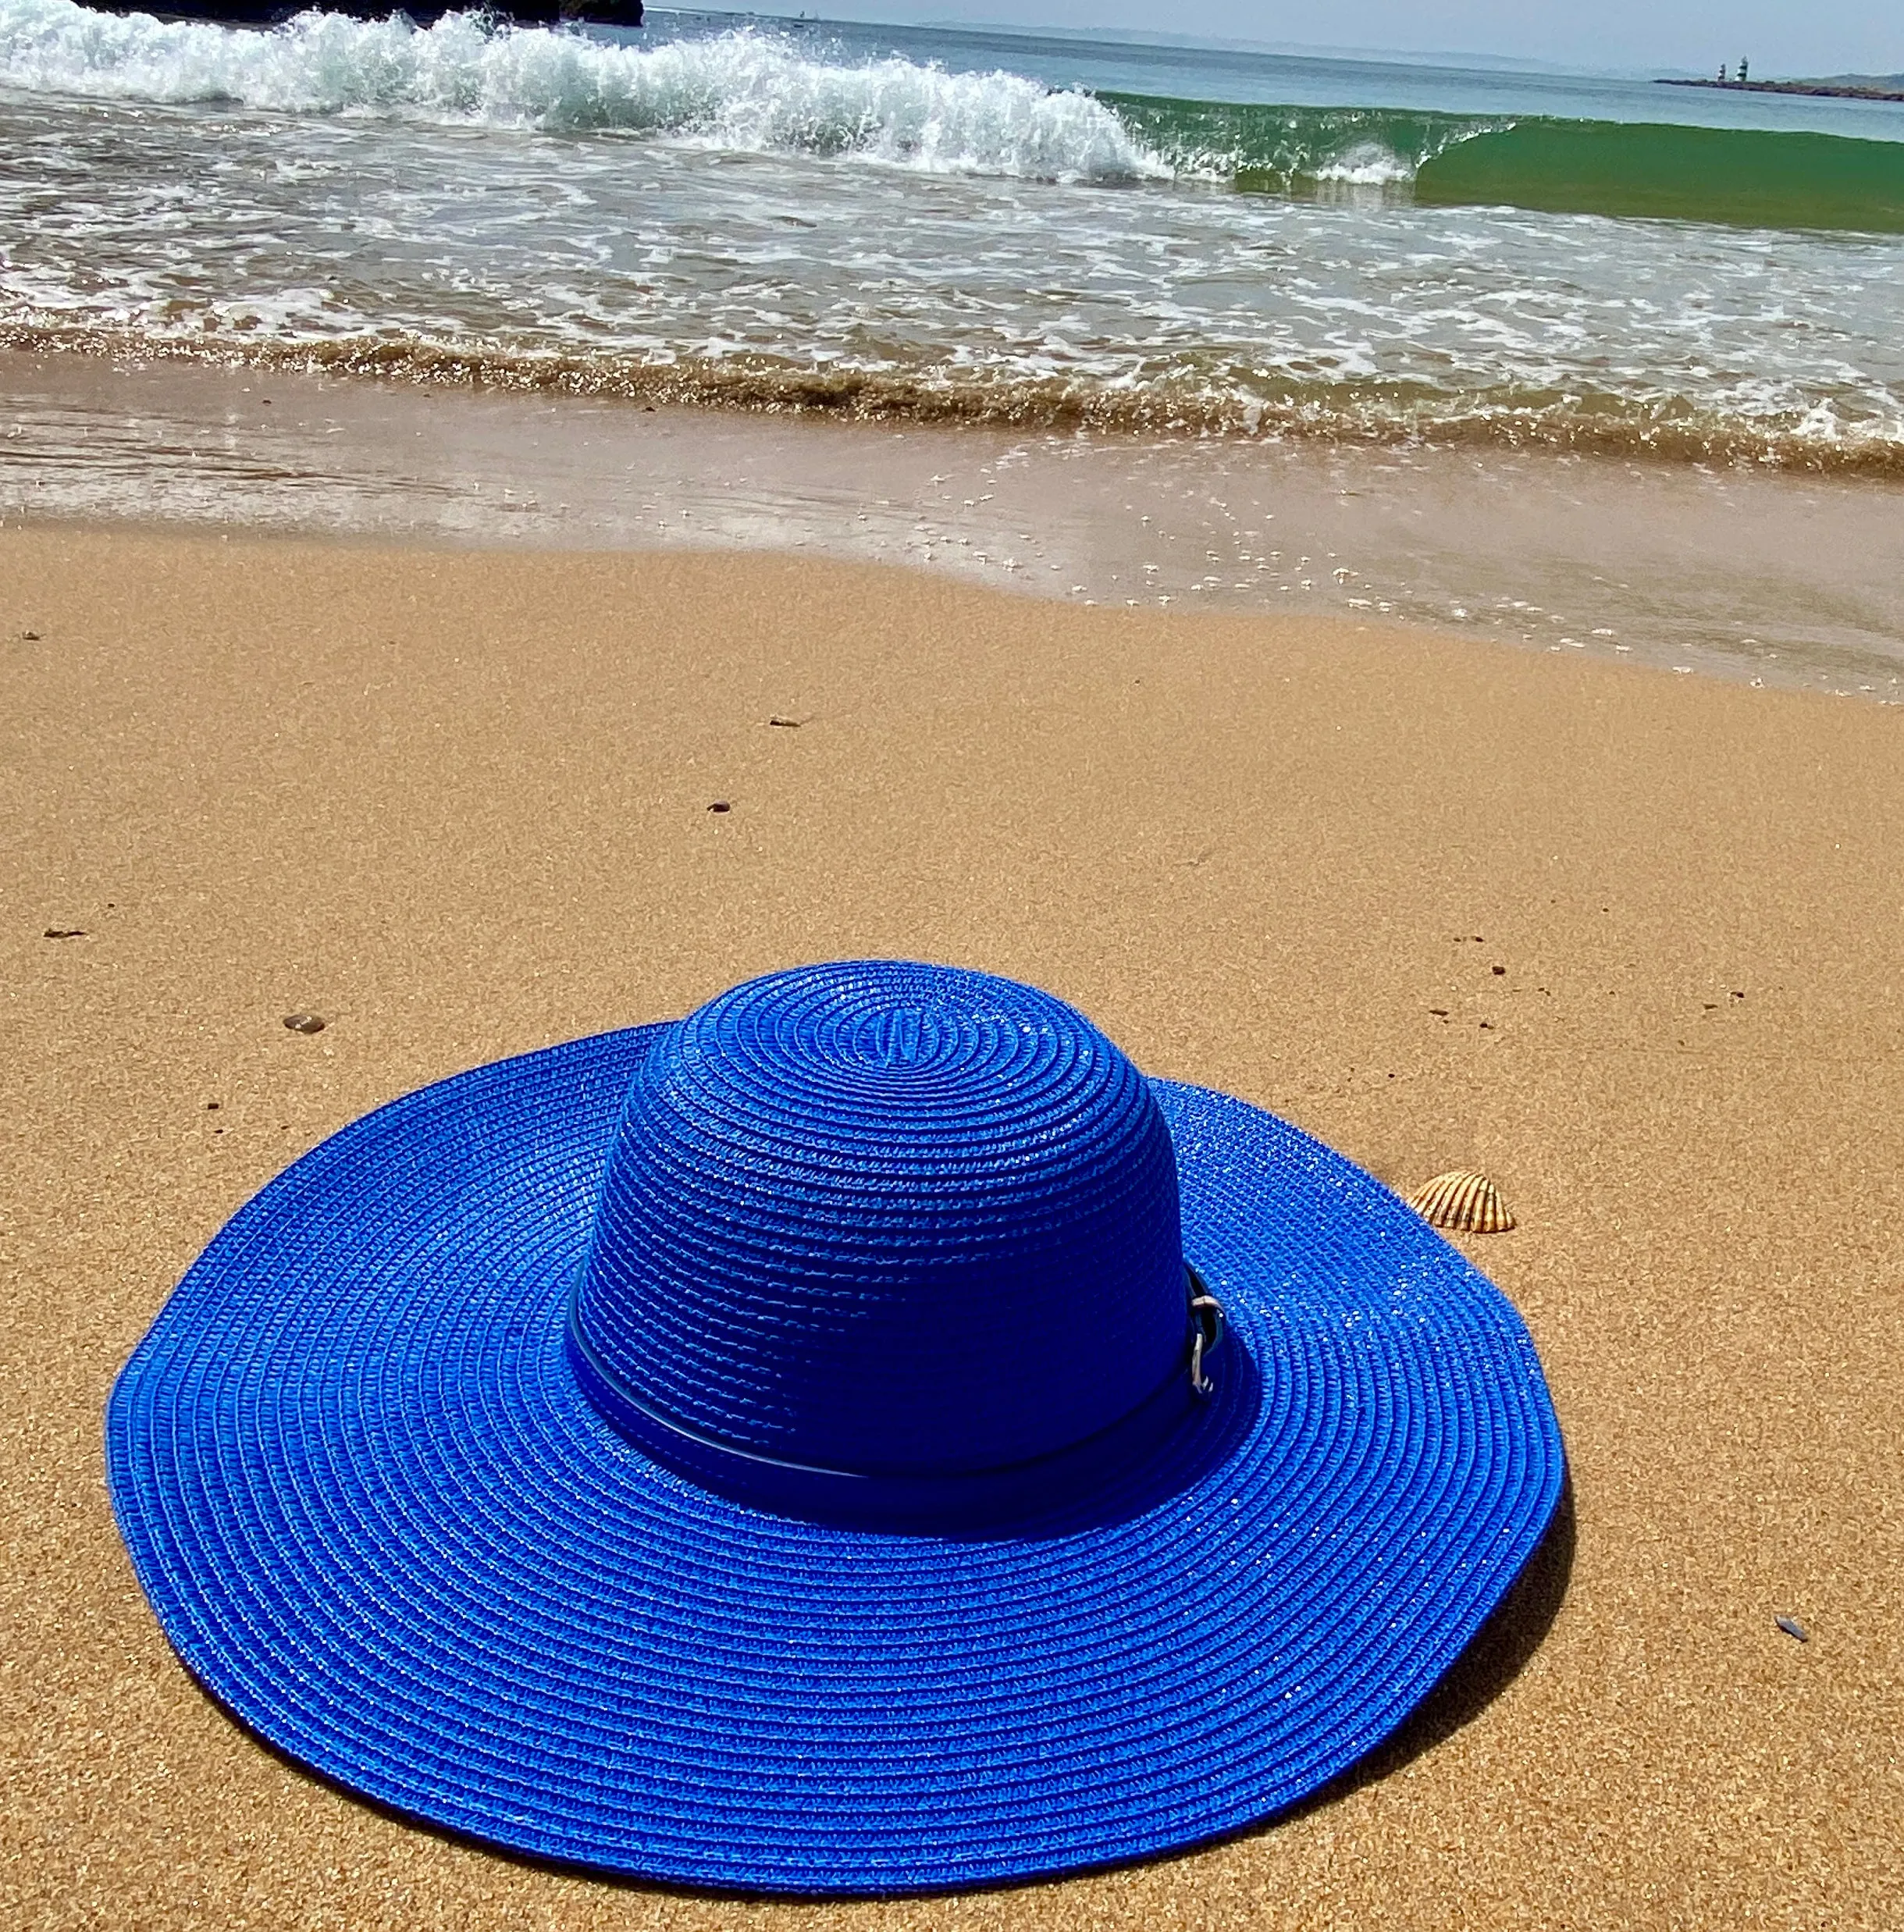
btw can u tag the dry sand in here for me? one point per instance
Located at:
(457, 804)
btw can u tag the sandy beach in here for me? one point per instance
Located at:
(1628, 941)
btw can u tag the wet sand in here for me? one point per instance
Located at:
(1787, 578)
(1628, 941)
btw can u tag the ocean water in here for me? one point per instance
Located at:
(946, 227)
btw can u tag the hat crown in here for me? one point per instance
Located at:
(887, 1218)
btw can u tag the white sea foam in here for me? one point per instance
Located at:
(1367, 164)
(740, 90)
(356, 212)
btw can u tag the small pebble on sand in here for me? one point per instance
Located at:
(303, 1022)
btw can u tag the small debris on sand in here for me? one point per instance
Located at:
(303, 1022)
(720, 805)
(1792, 1628)
(66, 932)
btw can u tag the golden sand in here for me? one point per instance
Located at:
(457, 804)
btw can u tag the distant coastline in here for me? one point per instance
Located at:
(1879, 88)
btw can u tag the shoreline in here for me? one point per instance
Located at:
(1796, 581)
(887, 399)
(1626, 942)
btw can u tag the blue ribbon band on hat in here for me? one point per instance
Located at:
(869, 1499)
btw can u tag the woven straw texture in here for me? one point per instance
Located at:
(844, 1199)
(379, 1520)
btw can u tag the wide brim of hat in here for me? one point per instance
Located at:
(379, 1522)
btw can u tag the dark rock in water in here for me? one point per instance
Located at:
(425, 13)
(303, 1022)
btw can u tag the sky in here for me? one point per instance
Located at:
(1778, 36)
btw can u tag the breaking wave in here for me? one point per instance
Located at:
(750, 91)
(1743, 176)
(1284, 150)
(740, 90)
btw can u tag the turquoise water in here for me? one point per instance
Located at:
(1744, 177)
(1238, 76)
(953, 225)
(1584, 143)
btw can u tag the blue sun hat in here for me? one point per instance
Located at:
(865, 1437)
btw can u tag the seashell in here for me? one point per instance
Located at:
(1470, 1203)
